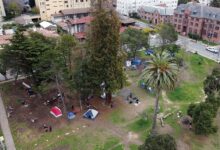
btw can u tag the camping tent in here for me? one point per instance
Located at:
(136, 62)
(91, 114)
(71, 115)
(56, 112)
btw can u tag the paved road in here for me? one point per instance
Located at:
(5, 127)
(199, 47)
(189, 45)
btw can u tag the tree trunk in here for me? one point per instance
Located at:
(109, 98)
(61, 95)
(153, 130)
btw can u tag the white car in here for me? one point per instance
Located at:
(212, 49)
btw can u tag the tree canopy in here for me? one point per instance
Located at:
(204, 113)
(159, 142)
(167, 33)
(215, 3)
(133, 40)
(160, 73)
(183, 1)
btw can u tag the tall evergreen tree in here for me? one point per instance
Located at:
(105, 58)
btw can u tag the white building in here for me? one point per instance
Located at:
(49, 7)
(205, 2)
(125, 7)
(2, 10)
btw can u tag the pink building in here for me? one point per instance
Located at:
(156, 14)
(201, 20)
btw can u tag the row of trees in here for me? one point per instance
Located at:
(203, 114)
(39, 57)
(83, 67)
(133, 40)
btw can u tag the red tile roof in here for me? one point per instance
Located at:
(5, 39)
(122, 29)
(80, 35)
(82, 20)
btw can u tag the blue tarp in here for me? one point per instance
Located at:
(71, 115)
(149, 52)
(136, 62)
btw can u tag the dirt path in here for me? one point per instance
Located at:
(127, 138)
(5, 127)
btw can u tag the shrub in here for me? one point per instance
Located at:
(159, 142)
(190, 110)
(194, 36)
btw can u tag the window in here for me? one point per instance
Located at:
(197, 19)
(179, 26)
(192, 19)
(215, 35)
(196, 24)
(218, 22)
(216, 28)
(195, 31)
(180, 16)
(190, 30)
(204, 32)
(191, 23)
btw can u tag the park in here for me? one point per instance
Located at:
(113, 92)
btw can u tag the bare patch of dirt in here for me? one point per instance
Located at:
(166, 129)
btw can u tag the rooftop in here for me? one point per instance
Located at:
(73, 11)
(164, 11)
(199, 11)
(5, 39)
(82, 20)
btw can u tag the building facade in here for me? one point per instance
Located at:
(205, 2)
(50, 7)
(156, 14)
(198, 19)
(125, 7)
(2, 9)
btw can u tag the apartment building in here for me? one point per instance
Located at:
(49, 7)
(125, 7)
(198, 19)
(2, 9)
(156, 14)
(70, 14)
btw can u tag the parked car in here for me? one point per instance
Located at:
(212, 49)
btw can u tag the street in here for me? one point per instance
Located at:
(189, 45)
(197, 46)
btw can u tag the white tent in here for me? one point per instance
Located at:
(91, 114)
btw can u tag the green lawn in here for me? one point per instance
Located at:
(116, 117)
(134, 147)
(187, 92)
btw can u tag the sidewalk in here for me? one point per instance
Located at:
(5, 127)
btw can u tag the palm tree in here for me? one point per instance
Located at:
(161, 73)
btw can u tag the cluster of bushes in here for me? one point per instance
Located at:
(194, 36)
(204, 113)
(159, 142)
